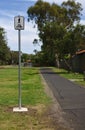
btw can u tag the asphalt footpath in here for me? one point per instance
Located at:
(70, 96)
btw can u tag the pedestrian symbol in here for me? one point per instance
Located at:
(19, 23)
(19, 20)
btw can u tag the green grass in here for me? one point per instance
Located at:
(31, 86)
(76, 77)
(32, 95)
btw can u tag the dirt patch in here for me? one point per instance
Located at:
(39, 117)
(55, 113)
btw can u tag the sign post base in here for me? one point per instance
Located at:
(22, 109)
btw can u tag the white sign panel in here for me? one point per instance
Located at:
(19, 23)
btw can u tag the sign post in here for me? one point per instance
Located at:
(19, 68)
(19, 25)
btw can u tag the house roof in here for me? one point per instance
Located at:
(80, 52)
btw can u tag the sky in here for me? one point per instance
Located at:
(11, 8)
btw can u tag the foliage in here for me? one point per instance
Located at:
(72, 11)
(56, 28)
(4, 49)
(14, 57)
(79, 33)
(24, 57)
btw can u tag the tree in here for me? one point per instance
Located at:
(72, 12)
(25, 57)
(4, 49)
(14, 57)
(56, 27)
(79, 33)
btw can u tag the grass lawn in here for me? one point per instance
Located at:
(75, 77)
(33, 97)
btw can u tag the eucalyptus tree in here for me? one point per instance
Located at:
(55, 25)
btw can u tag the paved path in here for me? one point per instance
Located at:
(70, 96)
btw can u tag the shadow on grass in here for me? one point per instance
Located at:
(47, 71)
(50, 71)
(33, 73)
(63, 72)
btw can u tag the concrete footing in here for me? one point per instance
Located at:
(22, 109)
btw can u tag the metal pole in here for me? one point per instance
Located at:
(19, 68)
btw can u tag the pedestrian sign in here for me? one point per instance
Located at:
(19, 23)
